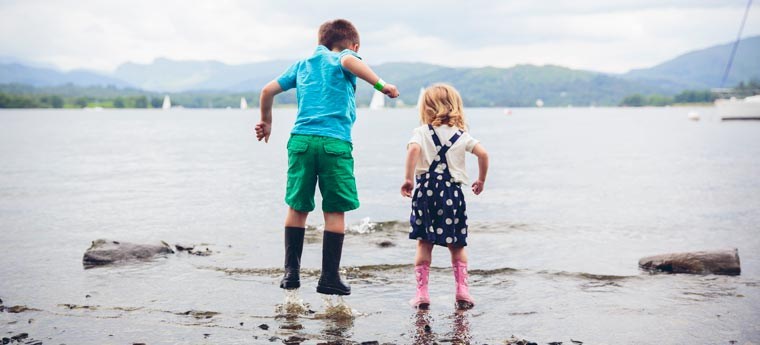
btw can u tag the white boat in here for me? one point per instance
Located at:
(539, 103)
(243, 103)
(738, 109)
(419, 98)
(378, 101)
(167, 103)
(693, 115)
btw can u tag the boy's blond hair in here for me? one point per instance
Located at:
(441, 104)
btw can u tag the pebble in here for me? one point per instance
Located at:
(20, 336)
(17, 309)
(428, 329)
(373, 342)
(264, 327)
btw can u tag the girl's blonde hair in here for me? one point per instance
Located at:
(442, 105)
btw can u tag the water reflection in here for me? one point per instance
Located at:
(424, 331)
(461, 327)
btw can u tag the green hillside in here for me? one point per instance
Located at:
(516, 86)
(704, 68)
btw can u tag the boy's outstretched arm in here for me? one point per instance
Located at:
(412, 154)
(264, 127)
(363, 71)
(482, 155)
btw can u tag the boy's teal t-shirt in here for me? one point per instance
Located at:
(325, 94)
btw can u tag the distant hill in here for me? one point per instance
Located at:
(515, 86)
(171, 75)
(37, 76)
(520, 85)
(704, 68)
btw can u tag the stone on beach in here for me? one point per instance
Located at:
(725, 262)
(104, 252)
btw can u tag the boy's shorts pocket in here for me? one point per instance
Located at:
(298, 145)
(338, 148)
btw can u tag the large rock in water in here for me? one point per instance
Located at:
(104, 252)
(708, 262)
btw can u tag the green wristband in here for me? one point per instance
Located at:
(380, 85)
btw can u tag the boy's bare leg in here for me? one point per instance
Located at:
(424, 253)
(335, 222)
(332, 249)
(295, 230)
(296, 218)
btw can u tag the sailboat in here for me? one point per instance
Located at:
(378, 101)
(167, 103)
(732, 108)
(243, 103)
(419, 98)
(738, 109)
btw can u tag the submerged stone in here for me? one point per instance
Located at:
(725, 262)
(104, 252)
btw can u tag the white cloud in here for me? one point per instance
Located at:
(611, 36)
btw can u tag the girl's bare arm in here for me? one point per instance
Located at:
(412, 154)
(482, 155)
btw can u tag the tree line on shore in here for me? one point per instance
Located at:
(70, 96)
(689, 96)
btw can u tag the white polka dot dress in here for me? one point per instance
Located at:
(439, 206)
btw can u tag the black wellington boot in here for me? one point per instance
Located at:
(293, 250)
(329, 282)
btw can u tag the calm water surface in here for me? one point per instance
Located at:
(574, 198)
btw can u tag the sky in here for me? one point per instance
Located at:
(601, 35)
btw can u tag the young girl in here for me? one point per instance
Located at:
(436, 156)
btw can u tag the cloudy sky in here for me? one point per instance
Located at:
(602, 35)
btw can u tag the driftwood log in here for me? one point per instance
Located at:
(725, 262)
(104, 252)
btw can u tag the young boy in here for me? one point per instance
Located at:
(319, 149)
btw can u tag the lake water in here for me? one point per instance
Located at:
(573, 199)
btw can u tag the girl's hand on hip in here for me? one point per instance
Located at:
(407, 188)
(263, 130)
(477, 187)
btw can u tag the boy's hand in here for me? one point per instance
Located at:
(407, 188)
(390, 90)
(263, 130)
(477, 186)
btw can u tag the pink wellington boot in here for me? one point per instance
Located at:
(422, 299)
(464, 300)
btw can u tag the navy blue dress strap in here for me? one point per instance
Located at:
(436, 140)
(440, 157)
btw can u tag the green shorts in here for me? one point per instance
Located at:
(315, 159)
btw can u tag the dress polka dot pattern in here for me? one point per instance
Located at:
(439, 212)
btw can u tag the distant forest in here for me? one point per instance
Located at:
(70, 96)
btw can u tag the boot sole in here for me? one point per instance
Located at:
(332, 291)
(290, 285)
(464, 305)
